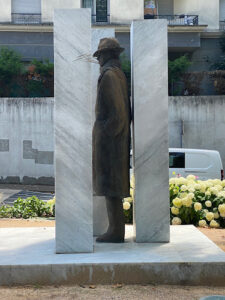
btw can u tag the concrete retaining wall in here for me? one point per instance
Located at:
(198, 122)
(27, 145)
(26, 140)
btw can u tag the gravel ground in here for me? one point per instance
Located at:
(113, 292)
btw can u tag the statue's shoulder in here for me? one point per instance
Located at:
(111, 71)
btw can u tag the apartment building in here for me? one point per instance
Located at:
(194, 26)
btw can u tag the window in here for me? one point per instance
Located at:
(177, 159)
(26, 11)
(99, 10)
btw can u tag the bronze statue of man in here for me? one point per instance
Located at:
(111, 138)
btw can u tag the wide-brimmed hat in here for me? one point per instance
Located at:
(108, 44)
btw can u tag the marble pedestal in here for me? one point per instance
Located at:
(100, 219)
(150, 131)
(73, 131)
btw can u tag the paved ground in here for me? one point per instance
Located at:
(109, 292)
(8, 194)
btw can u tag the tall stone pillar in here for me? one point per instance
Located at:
(73, 128)
(150, 134)
(100, 219)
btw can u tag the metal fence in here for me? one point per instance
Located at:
(26, 18)
(184, 20)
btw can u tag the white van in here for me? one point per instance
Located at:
(206, 164)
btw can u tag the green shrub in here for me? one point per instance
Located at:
(126, 67)
(26, 208)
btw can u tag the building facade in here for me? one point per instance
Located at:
(194, 26)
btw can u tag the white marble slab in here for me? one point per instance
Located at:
(35, 246)
(73, 128)
(100, 219)
(150, 105)
(27, 257)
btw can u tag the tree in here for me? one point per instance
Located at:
(217, 73)
(222, 42)
(10, 68)
(40, 79)
(220, 64)
(176, 69)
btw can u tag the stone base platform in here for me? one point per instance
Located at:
(27, 257)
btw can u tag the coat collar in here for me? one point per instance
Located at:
(111, 63)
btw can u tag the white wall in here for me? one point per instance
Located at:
(26, 6)
(222, 10)
(208, 11)
(124, 11)
(48, 6)
(5, 10)
(165, 7)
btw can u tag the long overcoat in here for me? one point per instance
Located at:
(111, 134)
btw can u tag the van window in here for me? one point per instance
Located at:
(177, 159)
(199, 160)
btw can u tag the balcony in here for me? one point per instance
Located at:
(26, 18)
(100, 19)
(176, 20)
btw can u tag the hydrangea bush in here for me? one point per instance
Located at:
(197, 202)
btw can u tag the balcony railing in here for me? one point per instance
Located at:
(100, 19)
(222, 25)
(26, 18)
(183, 20)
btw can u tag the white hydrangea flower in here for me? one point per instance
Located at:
(183, 195)
(197, 206)
(208, 193)
(191, 196)
(183, 180)
(208, 203)
(202, 223)
(126, 205)
(175, 210)
(203, 187)
(214, 224)
(221, 208)
(176, 221)
(208, 183)
(183, 188)
(209, 216)
(218, 187)
(197, 186)
(214, 190)
(191, 177)
(177, 202)
(221, 194)
(216, 215)
(172, 181)
(217, 182)
(191, 189)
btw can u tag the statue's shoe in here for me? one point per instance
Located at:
(110, 238)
